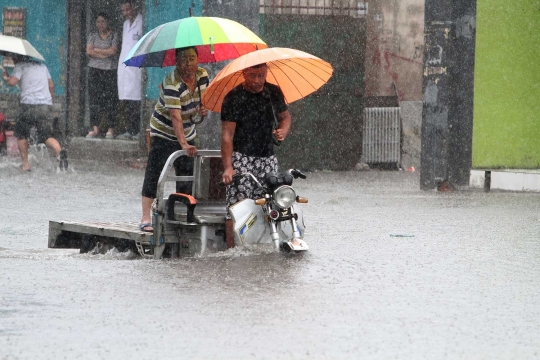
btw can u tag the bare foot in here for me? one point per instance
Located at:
(26, 167)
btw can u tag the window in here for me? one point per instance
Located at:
(352, 8)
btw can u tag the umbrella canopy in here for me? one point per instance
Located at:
(11, 45)
(216, 39)
(297, 73)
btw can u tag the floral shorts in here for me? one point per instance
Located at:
(245, 188)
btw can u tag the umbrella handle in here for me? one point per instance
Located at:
(196, 122)
(275, 141)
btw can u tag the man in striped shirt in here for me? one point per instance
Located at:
(172, 127)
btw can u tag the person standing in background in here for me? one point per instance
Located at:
(129, 78)
(102, 52)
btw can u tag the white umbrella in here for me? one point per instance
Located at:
(11, 45)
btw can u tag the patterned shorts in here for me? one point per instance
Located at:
(245, 187)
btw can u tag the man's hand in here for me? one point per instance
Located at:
(279, 134)
(176, 117)
(202, 110)
(10, 80)
(191, 150)
(227, 135)
(227, 176)
(284, 126)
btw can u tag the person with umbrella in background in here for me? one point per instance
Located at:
(247, 116)
(37, 89)
(172, 127)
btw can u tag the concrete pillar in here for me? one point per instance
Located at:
(448, 89)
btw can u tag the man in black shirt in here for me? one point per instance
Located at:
(247, 120)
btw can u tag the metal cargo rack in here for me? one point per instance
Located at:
(179, 229)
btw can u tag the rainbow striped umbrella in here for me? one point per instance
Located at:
(216, 39)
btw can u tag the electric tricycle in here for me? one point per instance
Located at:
(191, 225)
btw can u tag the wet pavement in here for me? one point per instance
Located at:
(392, 273)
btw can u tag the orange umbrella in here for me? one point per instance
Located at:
(297, 73)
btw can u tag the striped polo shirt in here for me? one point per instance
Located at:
(174, 94)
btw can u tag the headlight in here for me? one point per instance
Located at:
(284, 196)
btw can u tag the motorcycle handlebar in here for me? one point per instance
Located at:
(294, 172)
(297, 174)
(237, 177)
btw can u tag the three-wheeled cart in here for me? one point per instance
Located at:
(183, 224)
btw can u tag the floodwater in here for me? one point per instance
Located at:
(392, 273)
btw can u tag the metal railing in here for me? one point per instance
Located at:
(352, 8)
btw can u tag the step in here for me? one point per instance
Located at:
(105, 149)
(507, 179)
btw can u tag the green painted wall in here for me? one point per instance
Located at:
(157, 13)
(46, 31)
(506, 129)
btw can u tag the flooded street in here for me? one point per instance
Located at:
(392, 273)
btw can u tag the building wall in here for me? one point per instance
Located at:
(155, 14)
(246, 12)
(394, 49)
(333, 114)
(46, 31)
(393, 65)
(506, 129)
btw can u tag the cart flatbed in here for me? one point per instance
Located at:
(85, 235)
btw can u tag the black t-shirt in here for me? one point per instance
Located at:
(252, 114)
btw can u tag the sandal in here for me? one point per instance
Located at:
(143, 227)
(109, 135)
(92, 135)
